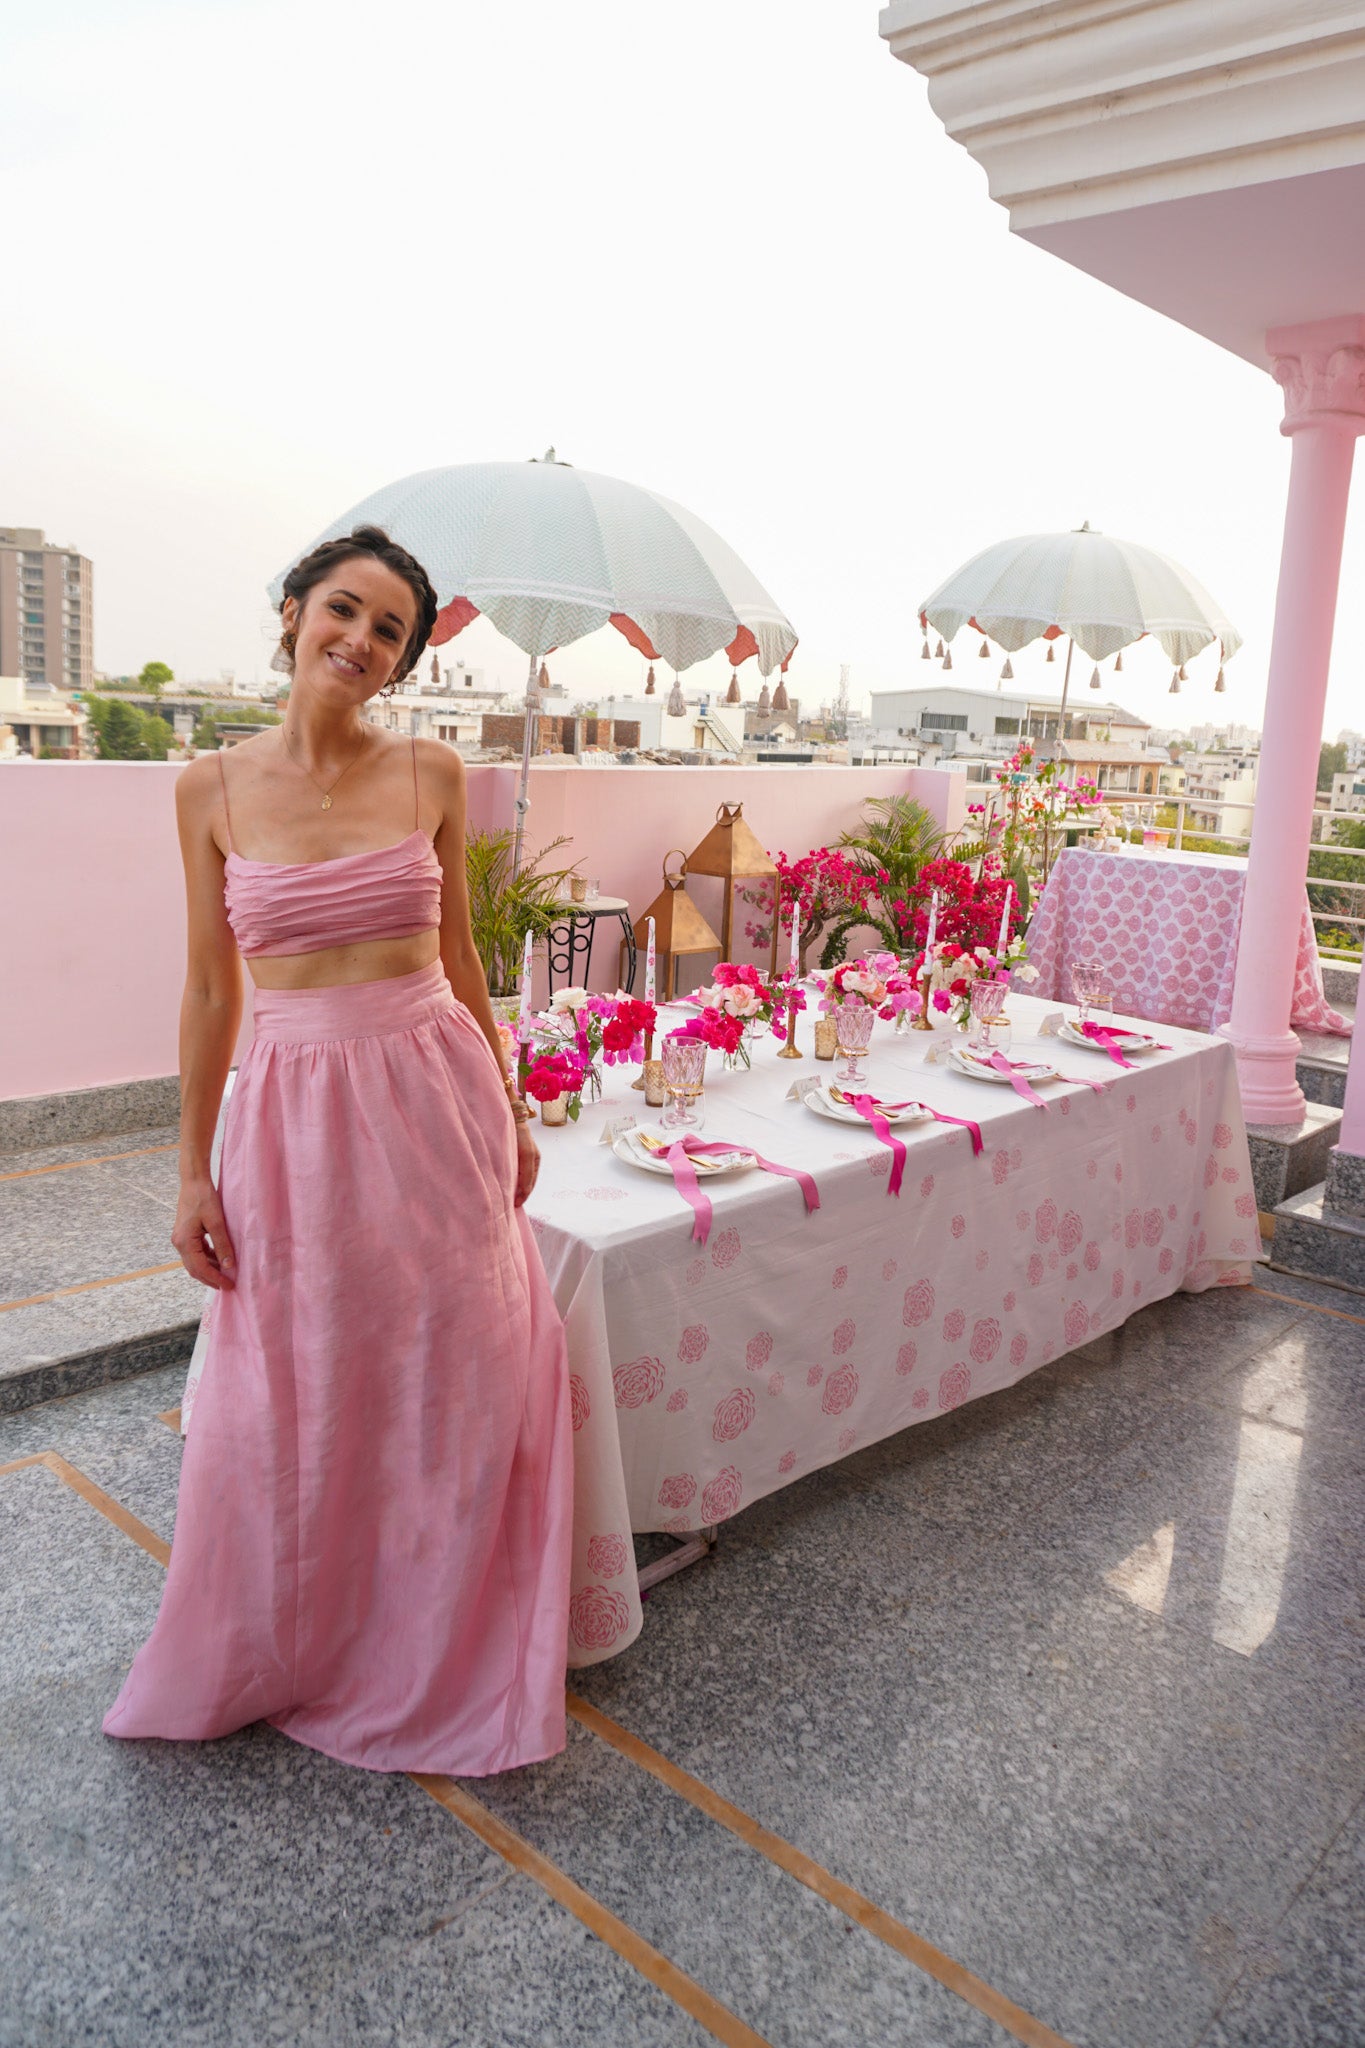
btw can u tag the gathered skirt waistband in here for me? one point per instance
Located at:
(355, 1009)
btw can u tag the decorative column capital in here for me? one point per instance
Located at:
(1320, 367)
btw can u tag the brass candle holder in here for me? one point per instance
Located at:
(789, 1050)
(922, 1022)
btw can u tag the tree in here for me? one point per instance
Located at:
(154, 677)
(1331, 761)
(124, 732)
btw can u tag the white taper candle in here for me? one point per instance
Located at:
(649, 964)
(1004, 927)
(796, 951)
(524, 1016)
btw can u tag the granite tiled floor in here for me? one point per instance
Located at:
(1068, 1681)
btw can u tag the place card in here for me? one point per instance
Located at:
(1051, 1024)
(801, 1087)
(615, 1127)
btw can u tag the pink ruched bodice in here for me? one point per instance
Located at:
(302, 906)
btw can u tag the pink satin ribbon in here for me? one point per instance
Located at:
(679, 1156)
(1106, 1038)
(868, 1106)
(941, 1116)
(1016, 1080)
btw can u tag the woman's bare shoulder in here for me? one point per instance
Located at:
(440, 766)
(198, 787)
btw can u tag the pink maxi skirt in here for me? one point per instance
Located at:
(373, 1533)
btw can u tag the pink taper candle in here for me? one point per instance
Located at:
(795, 953)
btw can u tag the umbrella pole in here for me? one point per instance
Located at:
(1061, 741)
(523, 802)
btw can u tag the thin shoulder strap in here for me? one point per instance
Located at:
(416, 800)
(222, 777)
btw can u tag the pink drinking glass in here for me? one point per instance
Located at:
(987, 1006)
(853, 1028)
(684, 1065)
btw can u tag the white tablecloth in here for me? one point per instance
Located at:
(706, 1378)
(703, 1379)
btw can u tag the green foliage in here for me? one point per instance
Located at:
(897, 837)
(205, 731)
(1351, 832)
(1331, 761)
(502, 909)
(123, 732)
(154, 677)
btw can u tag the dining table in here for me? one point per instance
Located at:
(724, 1345)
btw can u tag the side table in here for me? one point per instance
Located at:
(568, 945)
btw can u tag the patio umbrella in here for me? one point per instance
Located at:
(549, 553)
(1101, 592)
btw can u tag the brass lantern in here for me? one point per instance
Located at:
(731, 851)
(679, 929)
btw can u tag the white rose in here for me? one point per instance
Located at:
(1027, 973)
(857, 983)
(570, 999)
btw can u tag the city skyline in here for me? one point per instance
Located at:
(819, 336)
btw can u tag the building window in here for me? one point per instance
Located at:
(942, 721)
(1008, 726)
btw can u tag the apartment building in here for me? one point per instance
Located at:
(1225, 781)
(46, 635)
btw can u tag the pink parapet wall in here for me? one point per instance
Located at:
(92, 927)
(92, 921)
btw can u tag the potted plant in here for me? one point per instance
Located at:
(503, 907)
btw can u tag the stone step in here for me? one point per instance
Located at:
(91, 1289)
(1320, 1242)
(1287, 1158)
(1341, 982)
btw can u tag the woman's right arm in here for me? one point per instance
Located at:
(210, 1017)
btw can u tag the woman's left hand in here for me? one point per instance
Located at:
(528, 1162)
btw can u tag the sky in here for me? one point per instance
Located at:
(274, 256)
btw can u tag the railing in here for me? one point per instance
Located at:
(1325, 915)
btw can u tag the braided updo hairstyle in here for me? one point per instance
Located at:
(372, 541)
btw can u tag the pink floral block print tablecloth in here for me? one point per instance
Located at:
(1164, 926)
(704, 1377)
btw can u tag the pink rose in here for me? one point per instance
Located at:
(954, 1385)
(844, 1335)
(918, 1305)
(580, 1408)
(607, 1556)
(986, 1336)
(841, 1391)
(733, 1415)
(638, 1382)
(693, 1342)
(598, 1617)
(758, 1351)
(722, 1497)
(678, 1491)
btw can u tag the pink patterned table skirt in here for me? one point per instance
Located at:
(1165, 928)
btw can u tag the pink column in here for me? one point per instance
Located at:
(1352, 1134)
(1321, 367)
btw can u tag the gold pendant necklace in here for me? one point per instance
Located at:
(326, 793)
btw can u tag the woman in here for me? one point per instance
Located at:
(372, 1540)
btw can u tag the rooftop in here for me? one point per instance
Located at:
(962, 1740)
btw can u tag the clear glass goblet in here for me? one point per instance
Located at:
(1087, 979)
(684, 1065)
(853, 1024)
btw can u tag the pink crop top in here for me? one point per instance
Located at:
(302, 906)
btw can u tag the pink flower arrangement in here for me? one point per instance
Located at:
(856, 981)
(552, 1074)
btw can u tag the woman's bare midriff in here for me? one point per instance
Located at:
(336, 966)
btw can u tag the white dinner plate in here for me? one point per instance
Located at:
(1123, 1041)
(632, 1148)
(824, 1101)
(980, 1070)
